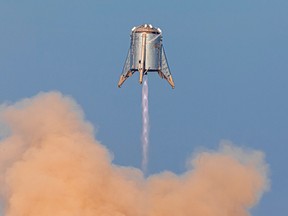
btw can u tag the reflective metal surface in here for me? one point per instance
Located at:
(146, 54)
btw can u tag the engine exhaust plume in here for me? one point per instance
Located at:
(51, 164)
(145, 124)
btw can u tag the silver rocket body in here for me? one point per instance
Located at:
(146, 54)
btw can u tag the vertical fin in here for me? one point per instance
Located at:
(126, 72)
(165, 71)
(127, 64)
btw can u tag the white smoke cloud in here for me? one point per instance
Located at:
(51, 164)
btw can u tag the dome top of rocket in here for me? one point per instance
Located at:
(146, 28)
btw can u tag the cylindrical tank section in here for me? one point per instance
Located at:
(146, 54)
(150, 38)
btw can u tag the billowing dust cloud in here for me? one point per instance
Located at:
(50, 164)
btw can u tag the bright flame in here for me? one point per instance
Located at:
(51, 164)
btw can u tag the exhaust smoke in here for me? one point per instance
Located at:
(145, 124)
(51, 164)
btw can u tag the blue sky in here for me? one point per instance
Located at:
(228, 60)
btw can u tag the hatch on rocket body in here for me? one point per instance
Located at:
(146, 54)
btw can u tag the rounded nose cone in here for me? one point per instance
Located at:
(146, 28)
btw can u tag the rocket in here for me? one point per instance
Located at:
(146, 54)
